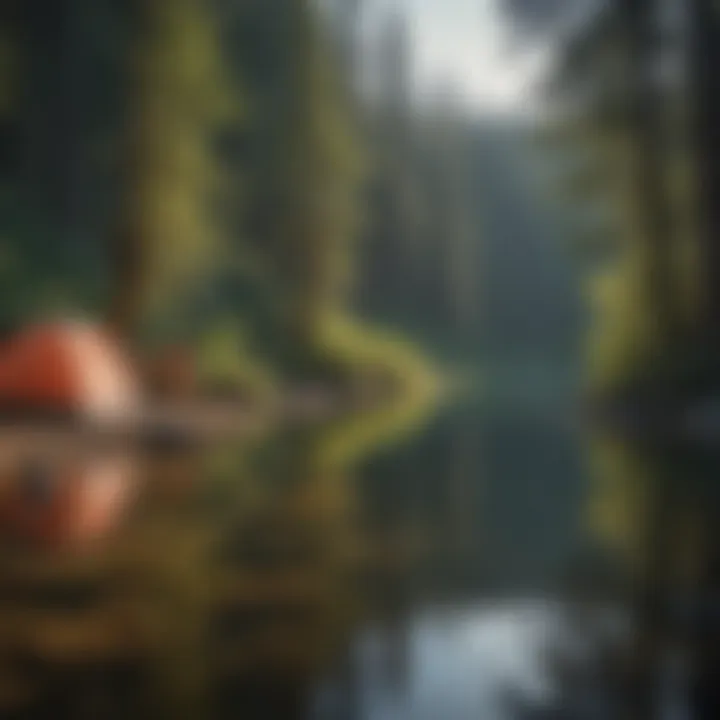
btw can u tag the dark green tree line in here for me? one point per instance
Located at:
(175, 167)
(621, 119)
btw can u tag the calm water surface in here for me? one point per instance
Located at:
(498, 563)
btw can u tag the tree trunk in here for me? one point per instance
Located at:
(649, 176)
(649, 183)
(128, 245)
(704, 53)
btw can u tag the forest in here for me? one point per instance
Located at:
(259, 187)
(208, 175)
(237, 177)
(631, 127)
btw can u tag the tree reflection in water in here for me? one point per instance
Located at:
(288, 580)
(226, 587)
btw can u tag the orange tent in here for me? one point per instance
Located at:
(67, 367)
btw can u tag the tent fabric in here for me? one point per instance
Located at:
(73, 367)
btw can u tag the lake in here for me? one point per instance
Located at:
(493, 561)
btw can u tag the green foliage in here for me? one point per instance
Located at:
(643, 283)
(216, 193)
(182, 99)
(226, 365)
(36, 278)
(625, 337)
(8, 73)
(306, 166)
(370, 355)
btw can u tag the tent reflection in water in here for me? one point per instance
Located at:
(74, 371)
(72, 503)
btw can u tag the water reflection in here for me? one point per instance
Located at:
(495, 565)
(659, 508)
(184, 584)
(69, 501)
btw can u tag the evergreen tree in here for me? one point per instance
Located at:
(303, 165)
(607, 82)
(390, 246)
(703, 42)
(451, 223)
(177, 99)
